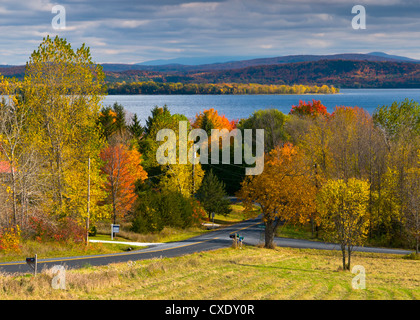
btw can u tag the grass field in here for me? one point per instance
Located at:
(250, 273)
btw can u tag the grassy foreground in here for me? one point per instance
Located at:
(250, 273)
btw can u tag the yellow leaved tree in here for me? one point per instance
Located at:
(343, 210)
(63, 89)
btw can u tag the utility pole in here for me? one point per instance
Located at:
(193, 170)
(88, 205)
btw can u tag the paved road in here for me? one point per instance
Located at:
(250, 229)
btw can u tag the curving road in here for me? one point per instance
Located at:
(251, 230)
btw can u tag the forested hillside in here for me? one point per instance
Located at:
(338, 73)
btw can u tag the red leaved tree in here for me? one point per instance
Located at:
(122, 168)
(313, 109)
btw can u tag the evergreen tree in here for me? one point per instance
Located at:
(135, 127)
(212, 195)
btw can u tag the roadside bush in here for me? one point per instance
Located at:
(93, 231)
(61, 230)
(10, 240)
(155, 210)
(70, 230)
(41, 228)
(412, 256)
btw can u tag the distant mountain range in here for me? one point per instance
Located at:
(191, 64)
(372, 70)
(194, 61)
(229, 61)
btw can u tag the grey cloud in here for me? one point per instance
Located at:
(133, 31)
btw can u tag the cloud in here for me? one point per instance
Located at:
(134, 31)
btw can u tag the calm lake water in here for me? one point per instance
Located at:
(242, 106)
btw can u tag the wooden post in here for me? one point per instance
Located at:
(36, 264)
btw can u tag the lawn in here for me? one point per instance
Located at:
(250, 273)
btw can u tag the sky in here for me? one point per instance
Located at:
(120, 31)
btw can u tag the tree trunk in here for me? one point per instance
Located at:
(343, 251)
(114, 207)
(349, 256)
(312, 226)
(269, 235)
(12, 169)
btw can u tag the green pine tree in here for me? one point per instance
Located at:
(212, 195)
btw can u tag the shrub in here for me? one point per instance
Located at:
(10, 240)
(70, 230)
(41, 228)
(92, 231)
(62, 230)
(156, 210)
(412, 256)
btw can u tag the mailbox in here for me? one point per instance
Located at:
(32, 262)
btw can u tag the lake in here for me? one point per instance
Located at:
(242, 106)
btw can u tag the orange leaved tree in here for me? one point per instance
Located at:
(283, 191)
(210, 119)
(122, 169)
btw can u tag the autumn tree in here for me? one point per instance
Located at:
(186, 177)
(312, 109)
(411, 216)
(63, 88)
(230, 171)
(160, 118)
(210, 119)
(309, 119)
(343, 208)
(400, 126)
(283, 191)
(16, 150)
(12, 122)
(314, 141)
(122, 169)
(346, 144)
(308, 127)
